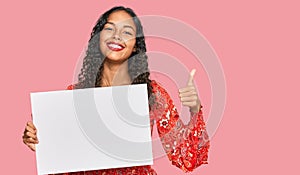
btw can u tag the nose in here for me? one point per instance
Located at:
(117, 36)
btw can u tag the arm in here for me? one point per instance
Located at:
(186, 145)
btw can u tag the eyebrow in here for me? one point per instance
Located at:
(125, 26)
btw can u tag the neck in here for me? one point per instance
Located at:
(115, 74)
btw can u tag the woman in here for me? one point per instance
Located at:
(116, 55)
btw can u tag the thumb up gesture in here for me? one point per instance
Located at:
(188, 95)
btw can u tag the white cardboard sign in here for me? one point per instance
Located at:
(91, 129)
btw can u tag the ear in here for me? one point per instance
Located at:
(134, 49)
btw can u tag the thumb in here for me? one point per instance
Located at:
(191, 77)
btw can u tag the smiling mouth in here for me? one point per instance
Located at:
(115, 46)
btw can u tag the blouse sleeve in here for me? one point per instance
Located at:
(185, 145)
(70, 87)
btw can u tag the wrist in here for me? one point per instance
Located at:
(196, 109)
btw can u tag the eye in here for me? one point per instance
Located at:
(108, 28)
(128, 33)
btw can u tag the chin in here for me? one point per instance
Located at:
(115, 58)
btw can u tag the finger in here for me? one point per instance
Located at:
(188, 94)
(30, 123)
(189, 104)
(29, 140)
(31, 135)
(187, 89)
(188, 99)
(29, 129)
(191, 77)
(31, 146)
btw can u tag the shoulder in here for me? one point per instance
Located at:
(71, 87)
(156, 86)
(158, 89)
(74, 86)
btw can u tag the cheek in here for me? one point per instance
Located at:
(102, 48)
(102, 44)
(131, 44)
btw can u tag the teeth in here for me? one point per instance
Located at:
(115, 46)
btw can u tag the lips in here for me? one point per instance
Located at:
(115, 46)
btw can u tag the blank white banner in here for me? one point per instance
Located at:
(91, 129)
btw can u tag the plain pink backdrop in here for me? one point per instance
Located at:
(257, 43)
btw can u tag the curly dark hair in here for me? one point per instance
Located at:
(91, 72)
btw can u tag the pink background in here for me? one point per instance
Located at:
(257, 43)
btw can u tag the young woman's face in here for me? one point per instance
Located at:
(118, 37)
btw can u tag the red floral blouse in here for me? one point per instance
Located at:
(185, 145)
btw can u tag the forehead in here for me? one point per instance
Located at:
(121, 18)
